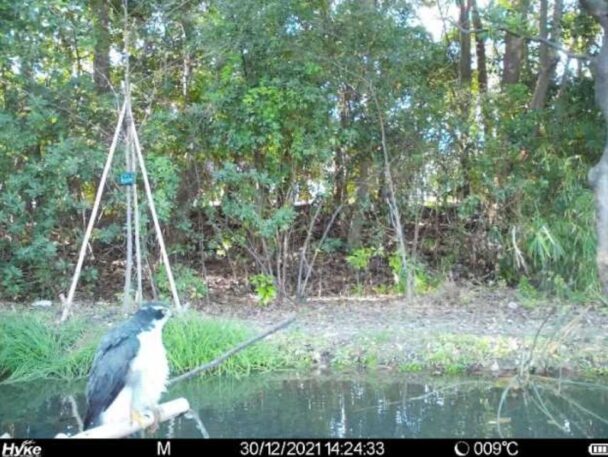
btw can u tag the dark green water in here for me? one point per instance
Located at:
(330, 406)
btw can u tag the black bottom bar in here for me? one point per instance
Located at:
(305, 447)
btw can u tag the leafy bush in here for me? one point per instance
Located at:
(359, 258)
(188, 283)
(265, 288)
(423, 280)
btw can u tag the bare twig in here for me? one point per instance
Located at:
(526, 363)
(581, 407)
(299, 291)
(192, 414)
(457, 387)
(570, 382)
(309, 265)
(393, 206)
(503, 398)
(74, 407)
(571, 54)
(221, 359)
(542, 406)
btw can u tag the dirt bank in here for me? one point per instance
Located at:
(452, 330)
(455, 329)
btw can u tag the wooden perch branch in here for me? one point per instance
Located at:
(231, 352)
(166, 411)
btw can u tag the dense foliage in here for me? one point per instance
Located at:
(271, 129)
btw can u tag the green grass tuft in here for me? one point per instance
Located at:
(192, 341)
(33, 347)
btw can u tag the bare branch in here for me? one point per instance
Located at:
(314, 257)
(571, 54)
(221, 359)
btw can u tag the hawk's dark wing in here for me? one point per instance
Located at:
(109, 372)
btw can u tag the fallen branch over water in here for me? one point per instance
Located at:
(166, 411)
(221, 359)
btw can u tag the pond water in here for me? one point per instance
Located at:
(375, 405)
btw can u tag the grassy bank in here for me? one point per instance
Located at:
(32, 346)
(364, 336)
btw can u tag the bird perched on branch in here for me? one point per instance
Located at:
(130, 369)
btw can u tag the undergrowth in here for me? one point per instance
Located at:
(33, 346)
(192, 340)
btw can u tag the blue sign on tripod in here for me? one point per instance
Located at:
(127, 178)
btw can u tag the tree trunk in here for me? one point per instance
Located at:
(480, 50)
(598, 175)
(548, 56)
(464, 66)
(345, 98)
(393, 205)
(512, 60)
(464, 77)
(355, 229)
(101, 56)
(339, 176)
(186, 25)
(514, 50)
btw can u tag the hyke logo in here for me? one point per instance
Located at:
(25, 449)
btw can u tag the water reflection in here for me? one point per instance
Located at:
(354, 406)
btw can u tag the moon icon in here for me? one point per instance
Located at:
(462, 448)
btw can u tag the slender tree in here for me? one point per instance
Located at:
(513, 59)
(480, 49)
(598, 175)
(101, 59)
(548, 54)
(464, 67)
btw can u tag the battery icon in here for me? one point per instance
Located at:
(598, 449)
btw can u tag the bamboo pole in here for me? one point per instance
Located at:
(159, 235)
(68, 303)
(126, 304)
(139, 293)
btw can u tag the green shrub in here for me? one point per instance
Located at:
(265, 288)
(192, 340)
(188, 283)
